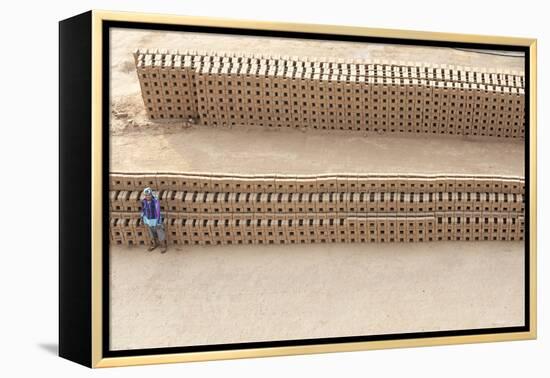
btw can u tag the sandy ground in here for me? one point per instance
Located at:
(254, 151)
(211, 295)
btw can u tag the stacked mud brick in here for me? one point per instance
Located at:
(320, 93)
(202, 209)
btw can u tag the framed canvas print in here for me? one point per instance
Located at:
(235, 189)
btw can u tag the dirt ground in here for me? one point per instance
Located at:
(208, 295)
(254, 151)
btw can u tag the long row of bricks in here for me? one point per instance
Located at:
(353, 202)
(467, 208)
(174, 59)
(321, 65)
(326, 95)
(321, 183)
(193, 229)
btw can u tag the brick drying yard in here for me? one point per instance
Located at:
(210, 295)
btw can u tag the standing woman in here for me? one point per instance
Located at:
(150, 214)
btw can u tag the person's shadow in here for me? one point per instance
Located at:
(52, 348)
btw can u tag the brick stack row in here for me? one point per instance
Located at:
(355, 95)
(201, 210)
(320, 183)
